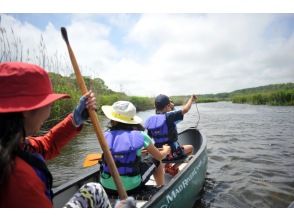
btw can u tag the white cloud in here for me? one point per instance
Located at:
(175, 53)
(18, 33)
(212, 53)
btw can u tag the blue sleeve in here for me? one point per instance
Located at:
(175, 116)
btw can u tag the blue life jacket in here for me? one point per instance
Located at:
(158, 129)
(123, 147)
(37, 162)
(163, 133)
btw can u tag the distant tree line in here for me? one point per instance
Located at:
(274, 94)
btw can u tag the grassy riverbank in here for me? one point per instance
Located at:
(283, 98)
(104, 96)
(274, 94)
(277, 94)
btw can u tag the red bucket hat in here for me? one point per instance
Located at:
(25, 87)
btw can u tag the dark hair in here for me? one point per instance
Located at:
(11, 133)
(127, 127)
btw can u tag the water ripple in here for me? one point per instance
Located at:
(250, 154)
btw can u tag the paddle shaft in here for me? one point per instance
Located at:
(94, 119)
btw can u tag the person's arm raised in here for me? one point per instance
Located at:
(188, 105)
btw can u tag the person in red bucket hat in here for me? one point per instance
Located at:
(26, 97)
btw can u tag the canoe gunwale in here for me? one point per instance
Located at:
(59, 189)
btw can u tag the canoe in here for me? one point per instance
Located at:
(181, 190)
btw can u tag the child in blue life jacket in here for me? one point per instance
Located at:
(126, 139)
(162, 126)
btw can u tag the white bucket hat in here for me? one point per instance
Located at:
(122, 111)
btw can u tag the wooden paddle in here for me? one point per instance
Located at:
(93, 116)
(92, 159)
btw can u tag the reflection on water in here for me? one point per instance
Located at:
(250, 154)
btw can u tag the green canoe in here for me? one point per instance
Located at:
(182, 190)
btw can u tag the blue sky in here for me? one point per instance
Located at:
(41, 20)
(176, 54)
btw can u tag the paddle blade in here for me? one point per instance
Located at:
(64, 34)
(92, 159)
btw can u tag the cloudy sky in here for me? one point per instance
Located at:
(176, 54)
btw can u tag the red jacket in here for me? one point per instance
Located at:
(24, 188)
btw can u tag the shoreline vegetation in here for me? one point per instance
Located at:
(104, 96)
(12, 49)
(275, 94)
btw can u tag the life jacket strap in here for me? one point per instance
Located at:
(38, 163)
(134, 165)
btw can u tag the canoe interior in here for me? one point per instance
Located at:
(64, 192)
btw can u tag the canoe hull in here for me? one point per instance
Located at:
(185, 188)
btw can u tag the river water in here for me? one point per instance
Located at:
(250, 154)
